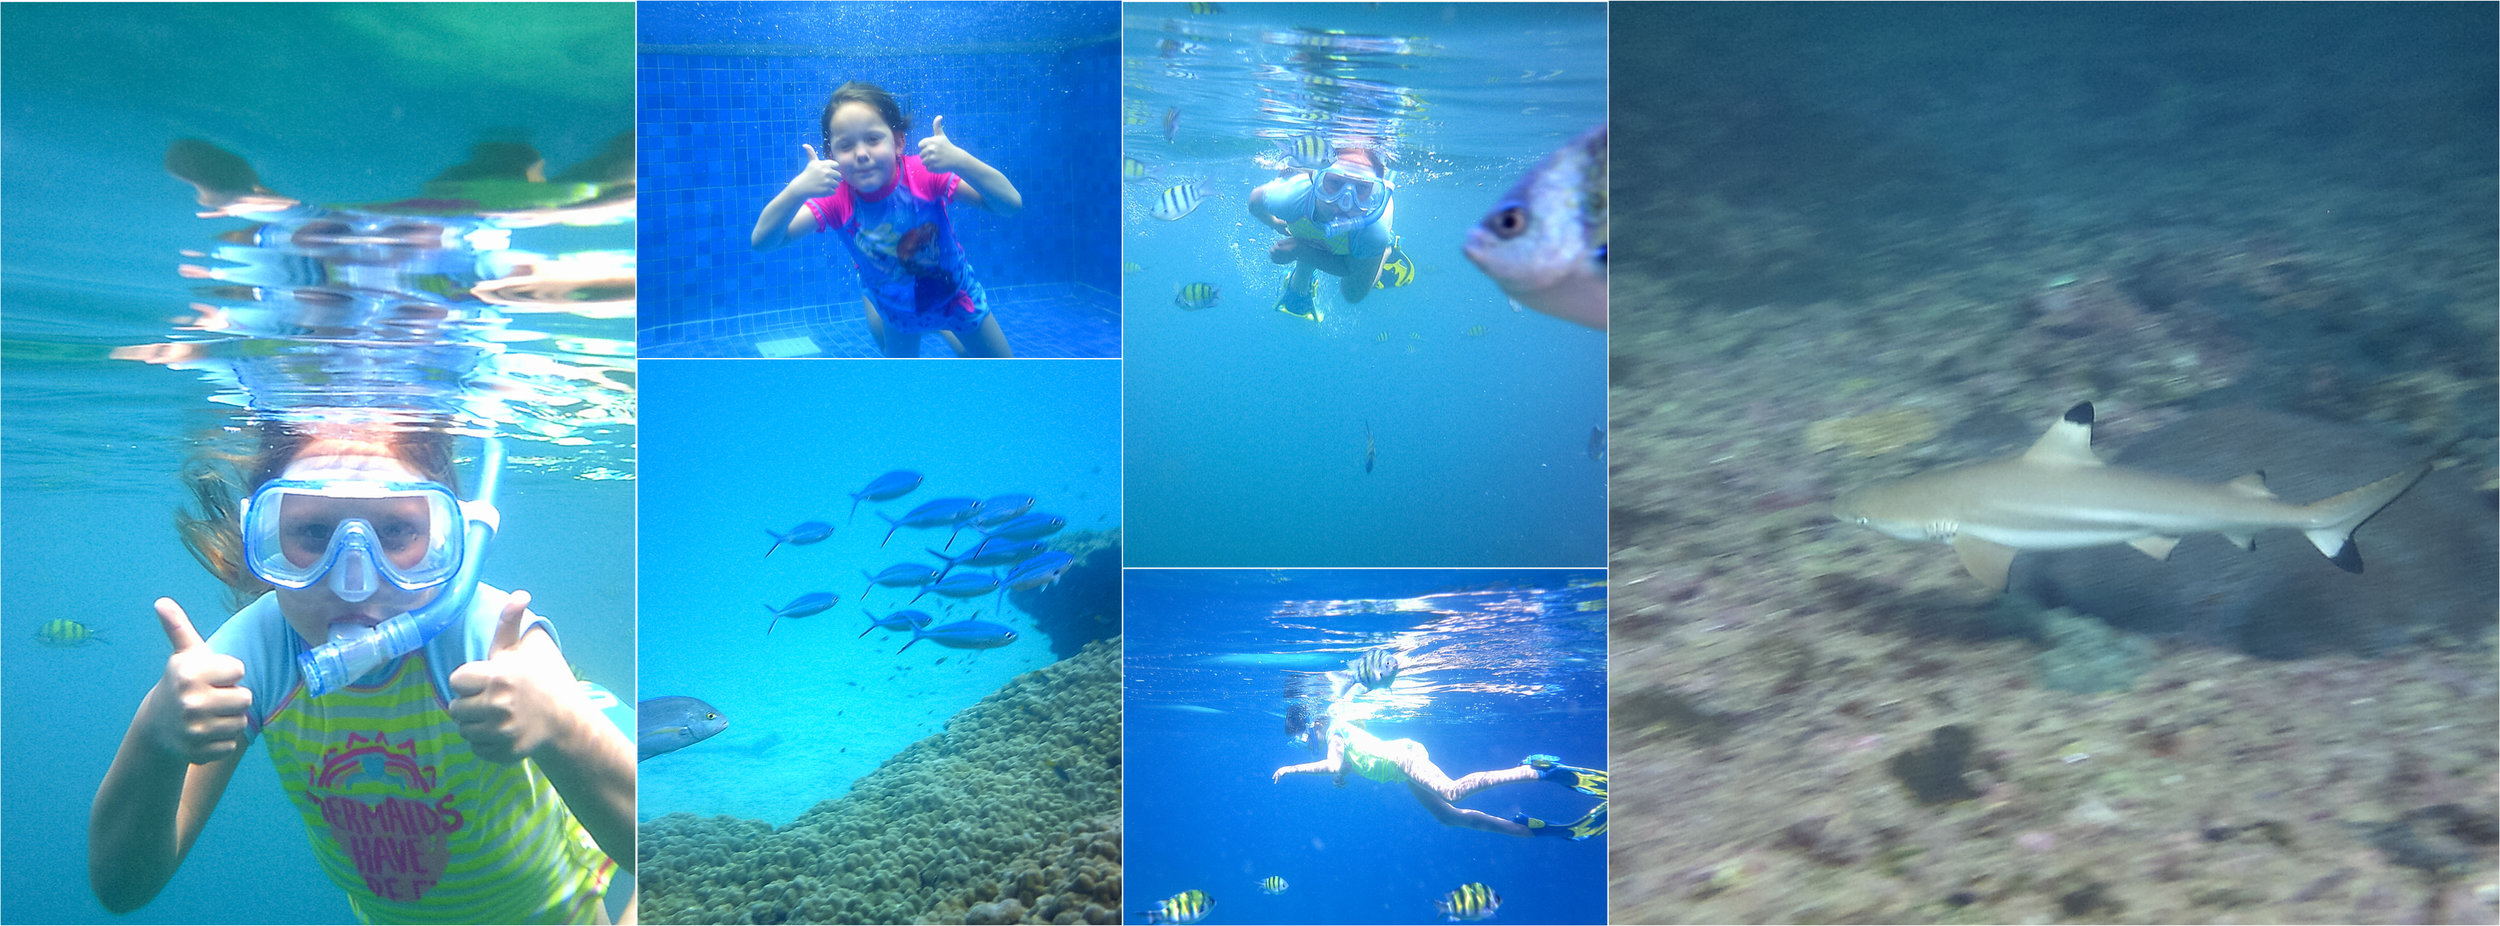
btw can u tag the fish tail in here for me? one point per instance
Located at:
(889, 532)
(915, 638)
(950, 563)
(2339, 516)
(854, 515)
(768, 628)
(777, 539)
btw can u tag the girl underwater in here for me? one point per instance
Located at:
(889, 209)
(461, 776)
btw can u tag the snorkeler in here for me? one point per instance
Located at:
(428, 731)
(889, 209)
(1351, 748)
(1337, 220)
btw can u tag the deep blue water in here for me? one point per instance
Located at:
(1247, 426)
(1509, 665)
(731, 90)
(736, 447)
(331, 103)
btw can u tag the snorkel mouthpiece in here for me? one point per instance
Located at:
(353, 651)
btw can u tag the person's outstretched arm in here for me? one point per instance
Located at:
(521, 703)
(983, 186)
(786, 217)
(172, 768)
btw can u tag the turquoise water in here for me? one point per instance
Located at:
(332, 104)
(739, 447)
(1248, 427)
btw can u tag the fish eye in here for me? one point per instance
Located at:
(1508, 223)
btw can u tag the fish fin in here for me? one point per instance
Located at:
(2339, 516)
(1986, 560)
(2068, 442)
(2243, 541)
(2156, 546)
(2252, 485)
(889, 532)
(768, 628)
(777, 539)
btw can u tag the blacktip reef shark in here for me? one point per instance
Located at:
(2059, 496)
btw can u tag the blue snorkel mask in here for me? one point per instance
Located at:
(352, 536)
(1360, 196)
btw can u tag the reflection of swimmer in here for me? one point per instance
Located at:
(1336, 220)
(889, 210)
(1351, 748)
(467, 777)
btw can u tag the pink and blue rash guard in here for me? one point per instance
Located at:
(904, 247)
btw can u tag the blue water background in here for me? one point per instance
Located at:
(1246, 425)
(335, 103)
(731, 90)
(737, 447)
(1509, 666)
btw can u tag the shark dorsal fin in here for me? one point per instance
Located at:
(2068, 442)
(2252, 485)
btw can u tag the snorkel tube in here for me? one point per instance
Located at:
(353, 651)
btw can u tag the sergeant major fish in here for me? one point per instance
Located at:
(1545, 242)
(1272, 884)
(2058, 495)
(61, 632)
(672, 723)
(1471, 901)
(1178, 201)
(1195, 296)
(1185, 907)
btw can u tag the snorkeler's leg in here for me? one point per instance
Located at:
(1417, 764)
(1361, 275)
(890, 342)
(1478, 781)
(1448, 815)
(988, 340)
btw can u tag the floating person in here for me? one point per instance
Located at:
(1350, 748)
(2058, 495)
(1336, 220)
(668, 724)
(361, 562)
(806, 533)
(1544, 243)
(890, 211)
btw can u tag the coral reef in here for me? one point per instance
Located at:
(1084, 605)
(1009, 816)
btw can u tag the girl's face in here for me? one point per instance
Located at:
(311, 611)
(862, 146)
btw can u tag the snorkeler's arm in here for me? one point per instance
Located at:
(1258, 207)
(172, 768)
(521, 703)
(983, 185)
(1327, 766)
(786, 217)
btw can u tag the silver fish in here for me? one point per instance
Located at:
(672, 723)
(1545, 242)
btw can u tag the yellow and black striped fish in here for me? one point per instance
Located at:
(1134, 169)
(1273, 884)
(1195, 296)
(1472, 901)
(63, 632)
(1178, 201)
(1184, 907)
(1309, 151)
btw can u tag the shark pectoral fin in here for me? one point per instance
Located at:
(2243, 541)
(2252, 485)
(1987, 561)
(2157, 547)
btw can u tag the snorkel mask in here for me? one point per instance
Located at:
(352, 536)
(1359, 195)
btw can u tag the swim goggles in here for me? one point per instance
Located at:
(355, 534)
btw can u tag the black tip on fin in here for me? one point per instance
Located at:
(2080, 414)
(2349, 559)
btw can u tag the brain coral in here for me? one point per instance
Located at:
(1009, 815)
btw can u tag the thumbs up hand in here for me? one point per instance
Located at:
(509, 704)
(938, 153)
(819, 178)
(204, 714)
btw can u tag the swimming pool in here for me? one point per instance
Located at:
(1427, 425)
(94, 443)
(730, 91)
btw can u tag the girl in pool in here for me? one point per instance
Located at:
(889, 209)
(461, 776)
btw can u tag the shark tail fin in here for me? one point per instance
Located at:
(2337, 517)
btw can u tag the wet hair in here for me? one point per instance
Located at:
(860, 91)
(220, 478)
(1379, 164)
